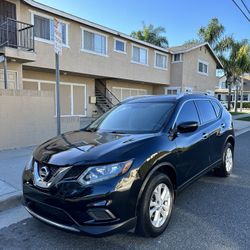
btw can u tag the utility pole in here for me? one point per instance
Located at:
(58, 51)
(241, 93)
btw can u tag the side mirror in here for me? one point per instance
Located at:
(187, 127)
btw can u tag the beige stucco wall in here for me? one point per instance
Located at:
(191, 77)
(27, 118)
(176, 74)
(114, 65)
(40, 76)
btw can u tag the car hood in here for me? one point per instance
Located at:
(81, 147)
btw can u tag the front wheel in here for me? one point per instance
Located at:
(156, 206)
(227, 162)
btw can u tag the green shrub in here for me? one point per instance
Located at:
(245, 105)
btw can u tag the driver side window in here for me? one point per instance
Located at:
(188, 113)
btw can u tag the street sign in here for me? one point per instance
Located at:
(57, 36)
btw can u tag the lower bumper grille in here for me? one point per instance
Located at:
(50, 213)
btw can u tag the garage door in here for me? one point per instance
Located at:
(124, 93)
(72, 95)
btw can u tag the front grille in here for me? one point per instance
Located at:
(52, 169)
(50, 213)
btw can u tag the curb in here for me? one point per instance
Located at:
(10, 200)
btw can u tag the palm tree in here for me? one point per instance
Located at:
(234, 55)
(236, 63)
(212, 33)
(152, 35)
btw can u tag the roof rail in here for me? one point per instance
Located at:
(191, 93)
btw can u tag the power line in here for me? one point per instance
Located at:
(245, 6)
(248, 19)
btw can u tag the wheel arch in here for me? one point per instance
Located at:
(165, 168)
(231, 140)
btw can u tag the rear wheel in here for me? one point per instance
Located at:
(156, 206)
(227, 162)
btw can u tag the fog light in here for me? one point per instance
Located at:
(101, 214)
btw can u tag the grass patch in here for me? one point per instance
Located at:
(237, 113)
(247, 119)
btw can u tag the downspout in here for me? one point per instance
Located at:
(5, 73)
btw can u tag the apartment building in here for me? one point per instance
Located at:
(221, 91)
(98, 67)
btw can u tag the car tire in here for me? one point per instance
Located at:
(147, 223)
(227, 162)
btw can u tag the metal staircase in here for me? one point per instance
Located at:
(105, 99)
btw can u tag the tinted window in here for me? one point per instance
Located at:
(217, 108)
(188, 113)
(134, 118)
(206, 110)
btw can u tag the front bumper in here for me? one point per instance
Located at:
(99, 210)
(89, 230)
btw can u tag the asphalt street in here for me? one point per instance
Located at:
(213, 213)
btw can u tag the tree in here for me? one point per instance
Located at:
(236, 63)
(212, 33)
(152, 35)
(234, 55)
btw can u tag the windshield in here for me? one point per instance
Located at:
(133, 118)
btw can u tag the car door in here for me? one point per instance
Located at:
(209, 127)
(210, 113)
(191, 147)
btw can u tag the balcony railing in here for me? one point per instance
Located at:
(17, 35)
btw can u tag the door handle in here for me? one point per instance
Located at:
(204, 136)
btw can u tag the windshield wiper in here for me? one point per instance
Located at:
(91, 129)
(116, 132)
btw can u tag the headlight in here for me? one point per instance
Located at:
(100, 173)
(29, 163)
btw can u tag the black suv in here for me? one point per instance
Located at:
(124, 170)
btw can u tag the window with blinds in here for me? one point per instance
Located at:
(160, 61)
(44, 29)
(139, 55)
(94, 42)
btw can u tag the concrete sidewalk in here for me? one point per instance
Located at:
(12, 163)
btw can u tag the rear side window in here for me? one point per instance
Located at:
(188, 113)
(206, 111)
(217, 108)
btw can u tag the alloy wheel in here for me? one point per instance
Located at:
(160, 205)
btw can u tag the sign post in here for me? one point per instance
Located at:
(58, 51)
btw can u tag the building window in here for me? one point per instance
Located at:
(160, 60)
(44, 29)
(177, 57)
(139, 55)
(203, 67)
(94, 42)
(119, 46)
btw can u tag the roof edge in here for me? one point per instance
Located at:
(198, 46)
(91, 24)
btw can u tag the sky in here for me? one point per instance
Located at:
(180, 18)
